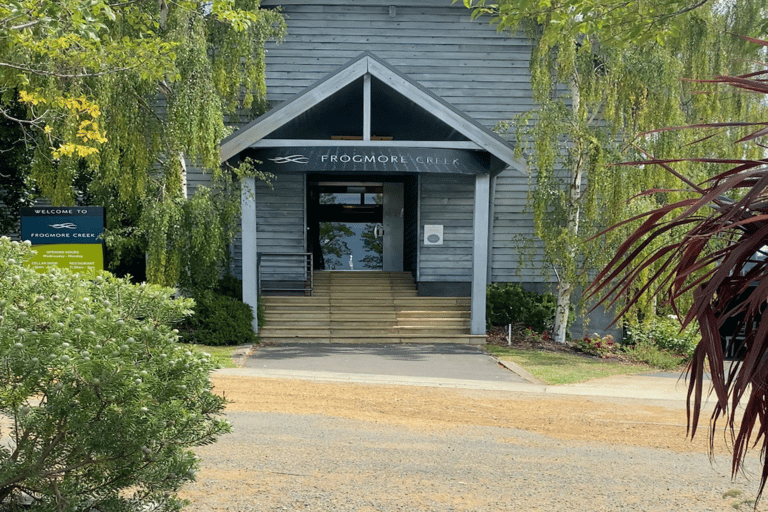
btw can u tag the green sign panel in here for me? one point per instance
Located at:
(85, 259)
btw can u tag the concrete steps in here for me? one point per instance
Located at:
(366, 307)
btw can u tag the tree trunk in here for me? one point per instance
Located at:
(562, 311)
(183, 162)
(565, 279)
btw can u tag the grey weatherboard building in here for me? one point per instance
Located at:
(396, 99)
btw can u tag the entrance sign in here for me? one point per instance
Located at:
(372, 159)
(65, 237)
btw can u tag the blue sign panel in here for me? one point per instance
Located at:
(62, 225)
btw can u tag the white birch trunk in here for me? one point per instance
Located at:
(562, 310)
(565, 283)
(183, 163)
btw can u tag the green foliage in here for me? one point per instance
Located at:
(601, 73)
(221, 356)
(219, 320)
(89, 71)
(126, 94)
(665, 333)
(619, 23)
(652, 355)
(103, 403)
(714, 272)
(189, 239)
(15, 189)
(230, 286)
(509, 303)
(600, 346)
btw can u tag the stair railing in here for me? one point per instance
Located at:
(307, 269)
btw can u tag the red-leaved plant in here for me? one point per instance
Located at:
(722, 261)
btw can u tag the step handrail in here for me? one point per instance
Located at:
(309, 272)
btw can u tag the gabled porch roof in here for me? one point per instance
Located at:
(448, 127)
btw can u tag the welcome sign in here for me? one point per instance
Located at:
(65, 237)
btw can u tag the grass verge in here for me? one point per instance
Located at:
(563, 367)
(222, 356)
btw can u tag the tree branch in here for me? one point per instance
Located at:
(43, 72)
(9, 117)
(684, 10)
(25, 25)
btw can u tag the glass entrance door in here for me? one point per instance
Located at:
(345, 225)
(351, 245)
(355, 225)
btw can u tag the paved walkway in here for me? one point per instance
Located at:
(439, 365)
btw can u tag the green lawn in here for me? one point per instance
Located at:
(221, 355)
(563, 368)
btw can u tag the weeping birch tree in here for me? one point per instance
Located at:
(602, 73)
(118, 96)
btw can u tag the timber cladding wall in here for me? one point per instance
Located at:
(447, 201)
(516, 256)
(280, 226)
(467, 63)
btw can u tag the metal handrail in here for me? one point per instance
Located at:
(309, 272)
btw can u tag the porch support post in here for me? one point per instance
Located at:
(480, 252)
(249, 257)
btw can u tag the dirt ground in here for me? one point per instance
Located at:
(565, 418)
(301, 445)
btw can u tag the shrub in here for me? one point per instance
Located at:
(104, 403)
(652, 355)
(664, 333)
(509, 303)
(596, 345)
(230, 286)
(219, 320)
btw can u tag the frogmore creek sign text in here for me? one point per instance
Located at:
(65, 237)
(371, 159)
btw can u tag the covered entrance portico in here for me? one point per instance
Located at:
(421, 171)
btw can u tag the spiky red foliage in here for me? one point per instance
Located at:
(718, 261)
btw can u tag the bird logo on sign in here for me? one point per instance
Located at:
(291, 159)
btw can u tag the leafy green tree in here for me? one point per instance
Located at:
(122, 92)
(602, 72)
(15, 189)
(100, 403)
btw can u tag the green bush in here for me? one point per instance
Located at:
(103, 403)
(509, 303)
(219, 320)
(664, 333)
(231, 287)
(600, 346)
(653, 355)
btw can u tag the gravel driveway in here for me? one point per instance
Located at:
(345, 447)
